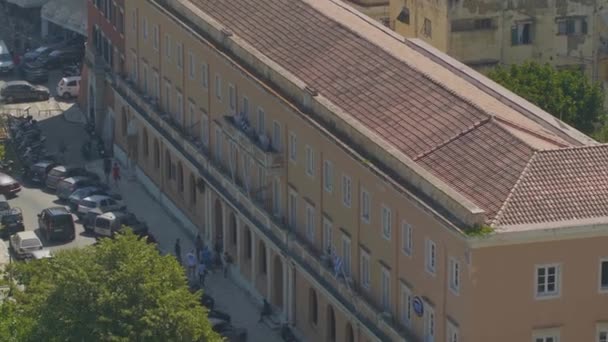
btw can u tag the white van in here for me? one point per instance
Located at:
(6, 59)
(69, 87)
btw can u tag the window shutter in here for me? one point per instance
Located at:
(514, 35)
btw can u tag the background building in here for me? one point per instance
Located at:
(481, 34)
(376, 9)
(370, 187)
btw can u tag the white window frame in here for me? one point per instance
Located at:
(155, 37)
(602, 289)
(385, 288)
(145, 28)
(454, 276)
(292, 209)
(218, 87)
(601, 332)
(276, 136)
(328, 176)
(328, 234)
(168, 46)
(387, 222)
(365, 269)
(346, 254)
(430, 259)
(430, 323)
(293, 147)
(366, 205)
(310, 223)
(205, 129)
(205, 75)
(179, 55)
(347, 191)
(407, 237)
(261, 121)
(405, 304)
(452, 332)
(310, 161)
(191, 65)
(546, 294)
(546, 335)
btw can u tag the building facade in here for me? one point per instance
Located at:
(376, 9)
(482, 34)
(104, 56)
(369, 187)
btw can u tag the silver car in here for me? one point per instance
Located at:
(101, 202)
(25, 244)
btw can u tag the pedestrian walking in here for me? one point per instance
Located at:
(107, 168)
(206, 256)
(198, 244)
(178, 251)
(266, 310)
(191, 263)
(202, 273)
(116, 173)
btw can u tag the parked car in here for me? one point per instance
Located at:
(88, 220)
(60, 172)
(41, 51)
(23, 244)
(109, 223)
(8, 185)
(42, 254)
(229, 332)
(5, 258)
(62, 57)
(38, 172)
(101, 202)
(11, 223)
(17, 91)
(69, 87)
(81, 193)
(6, 59)
(56, 222)
(67, 186)
(35, 72)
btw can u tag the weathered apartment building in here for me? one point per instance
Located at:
(485, 33)
(372, 188)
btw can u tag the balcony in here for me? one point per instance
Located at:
(239, 131)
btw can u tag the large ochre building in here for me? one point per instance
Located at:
(369, 186)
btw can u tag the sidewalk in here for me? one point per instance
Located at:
(228, 297)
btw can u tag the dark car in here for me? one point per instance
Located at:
(68, 185)
(15, 91)
(41, 51)
(35, 72)
(57, 222)
(11, 223)
(81, 193)
(62, 57)
(37, 172)
(8, 185)
(60, 172)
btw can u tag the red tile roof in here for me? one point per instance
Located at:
(435, 125)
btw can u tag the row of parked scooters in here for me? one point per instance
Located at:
(27, 140)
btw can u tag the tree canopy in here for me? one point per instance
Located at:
(566, 94)
(122, 289)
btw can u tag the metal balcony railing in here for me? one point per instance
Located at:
(251, 142)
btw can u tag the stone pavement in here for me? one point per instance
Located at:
(228, 297)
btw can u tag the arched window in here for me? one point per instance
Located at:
(331, 324)
(262, 257)
(144, 138)
(168, 173)
(248, 253)
(180, 177)
(313, 310)
(156, 154)
(124, 122)
(193, 188)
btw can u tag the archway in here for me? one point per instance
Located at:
(168, 173)
(247, 244)
(124, 122)
(193, 189)
(233, 228)
(180, 177)
(144, 138)
(277, 280)
(219, 226)
(313, 307)
(331, 324)
(156, 154)
(262, 266)
(350, 334)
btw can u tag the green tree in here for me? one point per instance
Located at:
(118, 290)
(566, 94)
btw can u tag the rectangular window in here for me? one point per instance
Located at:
(205, 130)
(602, 332)
(328, 176)
(218, 143)
(145, 28)
(145, 79)
(245, 109)
(405, 305)
(261, 121)
(276, 136)
(133, 20)
(406, 236)
(546, 335)
(232, 97)
(156, 85)
(365, 281)
(431, 257)
(191, 119)
(180, 55)
(218, 87)
(179, 111)
(427, 29)
(429, 322)
(204, 75)
(454, 275)
(387, 222)
(293, 209)
(385, 282)
(572, 26)
(604, 275)
(453, 335)
(310, 161)
(293, 147)
(365, 206)
(346, 191)
(547, 281)
(346, 253)
(155, 37)
(167, 97)
(328, 236)
(167, 47)
(276, 196)
(521, 33)
(134, 68)
(310, 223)
(191, 65)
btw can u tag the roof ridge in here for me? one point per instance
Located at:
(528, 130)
(571, 148)
(455, 137)
(503, 207)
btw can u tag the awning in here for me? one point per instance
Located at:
(28, 3)
(69, 14)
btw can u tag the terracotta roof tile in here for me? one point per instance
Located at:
(560, 185)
